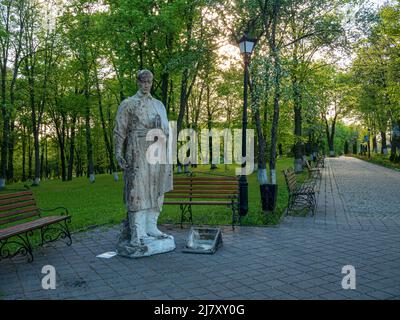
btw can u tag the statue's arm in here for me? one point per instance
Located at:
(120, 133)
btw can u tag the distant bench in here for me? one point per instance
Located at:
(204, 191)
(313, 172)
(320, 161)
(301, 196)
(20, 216)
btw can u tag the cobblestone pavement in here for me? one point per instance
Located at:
(355, 194)
(301, 259)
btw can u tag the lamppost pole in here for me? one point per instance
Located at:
(243, 185)
(246, 46)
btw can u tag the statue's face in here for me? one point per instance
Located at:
(145, 84)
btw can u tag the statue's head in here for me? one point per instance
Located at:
(144, 81)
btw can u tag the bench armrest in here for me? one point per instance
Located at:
(65, 210)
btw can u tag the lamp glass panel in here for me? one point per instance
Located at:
(249, 46)
(242, 46)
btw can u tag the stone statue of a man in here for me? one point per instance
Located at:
(145, 181)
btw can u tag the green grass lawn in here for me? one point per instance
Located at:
(380, 159)
(101, 203)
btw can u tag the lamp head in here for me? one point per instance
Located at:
(246, 44)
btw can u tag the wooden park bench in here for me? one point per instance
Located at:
(20, 217)
(301, 196)
(320, 161)
(204, 191)
(313, 172)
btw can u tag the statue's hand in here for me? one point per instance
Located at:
(121, 161)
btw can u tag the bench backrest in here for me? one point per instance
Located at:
(204, 187)
(320, 160)
(17, 206)
(291, 180)
(308, 165)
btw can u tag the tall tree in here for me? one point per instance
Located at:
(79, 22)
(38, 64)
(14, 15)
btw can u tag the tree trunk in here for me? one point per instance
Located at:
(275, 120)
(393, 149)
(79, 165)
(78, 152)
(47, 161)
(170, 101)
(164, 89)
(261, 138)
(396, 141)
(30, 155)
(6, 129)
(277, 90)
(330, 135)
(23, 153)
(35, 124)
(9, 26)
(331, 148)
(298, 145)
(384, 144)
(209, 127)
(37, 158)
(185, 76)
(6, 10)
(63, 166)
(103, 125)
(37, 111)
(89, 146)
(61, 146)
(11, 144)
(374, 144)
(42, 161)
(71, 149)
(262, 157)
(183, 99)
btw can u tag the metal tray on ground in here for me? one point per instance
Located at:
(203, 240)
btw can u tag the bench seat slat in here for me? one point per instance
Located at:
(188, 187)
(17, 205)
(17, 212)
(227, 192)
(15, 200)
(206, 178)
(30, 225)
(181, 196)
(292, 183)
(227, 183)
(15, 195)
(22, 216)
(200, 202)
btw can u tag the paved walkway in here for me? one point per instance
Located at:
(355, 194)
(301, 259)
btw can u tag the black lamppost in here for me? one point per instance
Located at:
(246, 46)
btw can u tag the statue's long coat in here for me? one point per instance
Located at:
(145, 183)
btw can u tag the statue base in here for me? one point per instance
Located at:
(151, 246)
